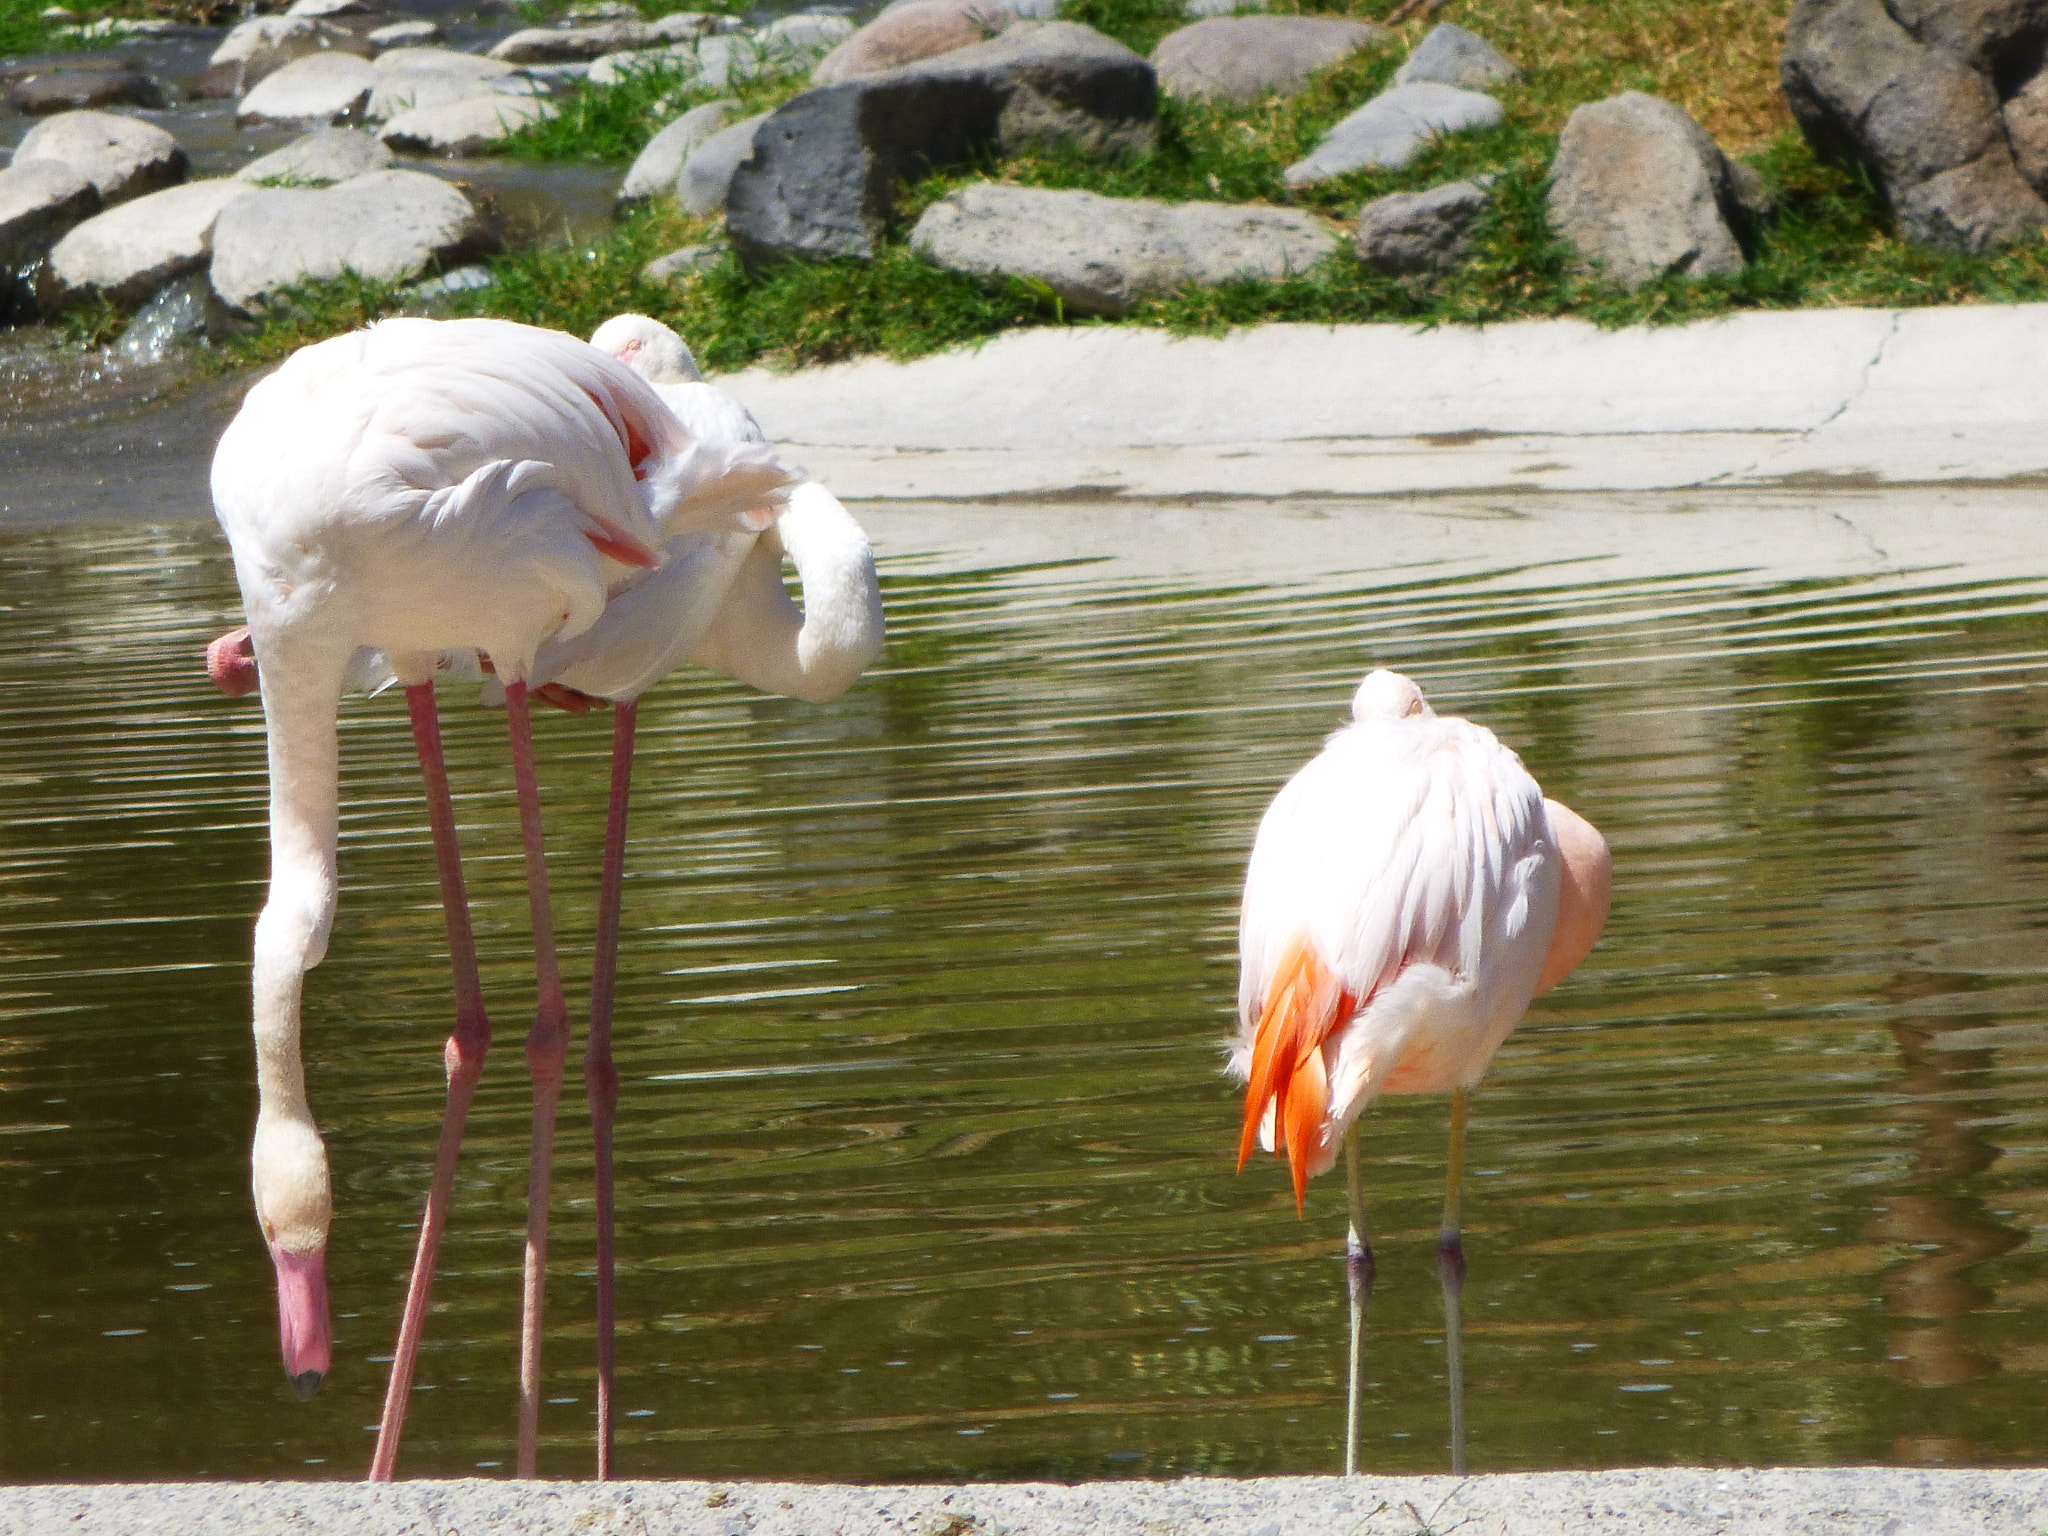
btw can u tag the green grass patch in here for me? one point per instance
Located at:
(614, 122)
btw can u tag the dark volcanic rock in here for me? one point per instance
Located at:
(1915, 92)
(821, 179)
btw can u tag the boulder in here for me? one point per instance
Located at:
(1641, 192)
(654, 173)
(444, 61)
(795, 39)
(403, 34)
(1237, 58)
(706, 177)
(1393, 128)
(1101, 254)
(39, 203)
(390, 226)
(1420, 232)
(821, 180)
(265, 45)
(125, 254)
(1913, 94)
(316, 91)
(710, 62)
(121, 157)
(903, 34)
(400, 91)
(1201, 9)
(467, 127)
(691, 258)
(321, 158)
(73, 90)
(2026, 130)
(551, 45)
(1450, 55)
(682, 26)
(333, 7)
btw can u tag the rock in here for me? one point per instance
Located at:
(39, 203)
(654, 173)
(546, 45)
(333, 7)
(1450, 55)
(390, 226)
(714, 62)
(601, 10)
(321, 158)
(821, 180)
(444, 61)
(1393, 128)
(1642, 192)
(466, 127)
(1237, 58)
(1101, 254)
(1416, 232)
(691, 258)
(790, 39)
(400, 91)
(682, 26)
(1912, 94)
(706, 177)
(903, 34)
(72, 90)
(265, 45)
(461, 280)
(403, 34)
(125, 254)
(1201, 9)
(2026, 129)
(313, 92)
(121, 157)
(55, 15)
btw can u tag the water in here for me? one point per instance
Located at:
(924, 1154)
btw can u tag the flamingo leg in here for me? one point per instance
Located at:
(547, 1048)
(464, 1058)
(1358, 1275)
(600, 1077)
(1450, 1265)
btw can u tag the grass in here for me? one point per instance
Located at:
(1828, 242)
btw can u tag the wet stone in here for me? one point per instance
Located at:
(466, 127)
(127, 253)
(321, 158)
(70, 90)
(319, 90)
(403, 34)
(39, 203)
(120, 156)
(259, 48)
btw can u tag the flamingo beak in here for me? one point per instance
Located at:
(302, 1326)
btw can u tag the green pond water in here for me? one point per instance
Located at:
(925, 1158)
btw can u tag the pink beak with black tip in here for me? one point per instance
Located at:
(303, 1330)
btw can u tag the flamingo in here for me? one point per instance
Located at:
(1409, 892)
(425, 491)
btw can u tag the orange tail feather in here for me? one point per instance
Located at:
(1305, 1005)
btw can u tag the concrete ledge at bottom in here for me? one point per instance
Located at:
(1666, 1501)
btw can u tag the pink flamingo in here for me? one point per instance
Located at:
(1409, 892)
(423, 491)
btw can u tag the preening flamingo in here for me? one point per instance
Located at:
(1409, 892)
(475, 488)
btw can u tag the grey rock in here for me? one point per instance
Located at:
(601, 10)
(1450, 55)
(461, 280)
(39, 203)
(1911, 92)
(125, 254)
(316, 91)
(682, 26)
(1237, 58)
(1420, 232)
(2026, 130)
(265, 45)
(1642, 192)
(333, 7)
(544, 45)
(1101, 254)
(321, 158)
(706, 177)
(792, 39)
(709, 62)
(654, 173)
(400, 91)
(918, 29)
(1393, 128)
(391, 225)
(466, 127)
(121, 157)
(691, 258)
(403, 34)
(72, 90)
(420, 61)
(1206, 8)
(822, 176)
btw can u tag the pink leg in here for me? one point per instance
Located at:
(464, 1057)
(547, 1048)
(600, 1077)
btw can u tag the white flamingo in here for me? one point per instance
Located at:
(1409, 892)
(479, 488)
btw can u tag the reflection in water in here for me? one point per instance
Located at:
(923, 1144)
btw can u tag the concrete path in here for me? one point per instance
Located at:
(1793, 399)
(1871, 1501)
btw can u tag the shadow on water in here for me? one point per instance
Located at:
(925, 1159)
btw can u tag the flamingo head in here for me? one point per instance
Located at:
(647, 347)
(231, 663)
(1390, 696)
(294, 1205)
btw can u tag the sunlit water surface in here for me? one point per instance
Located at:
(925, 1158)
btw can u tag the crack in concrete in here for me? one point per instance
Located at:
(1854, 393)
(1877, 549)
